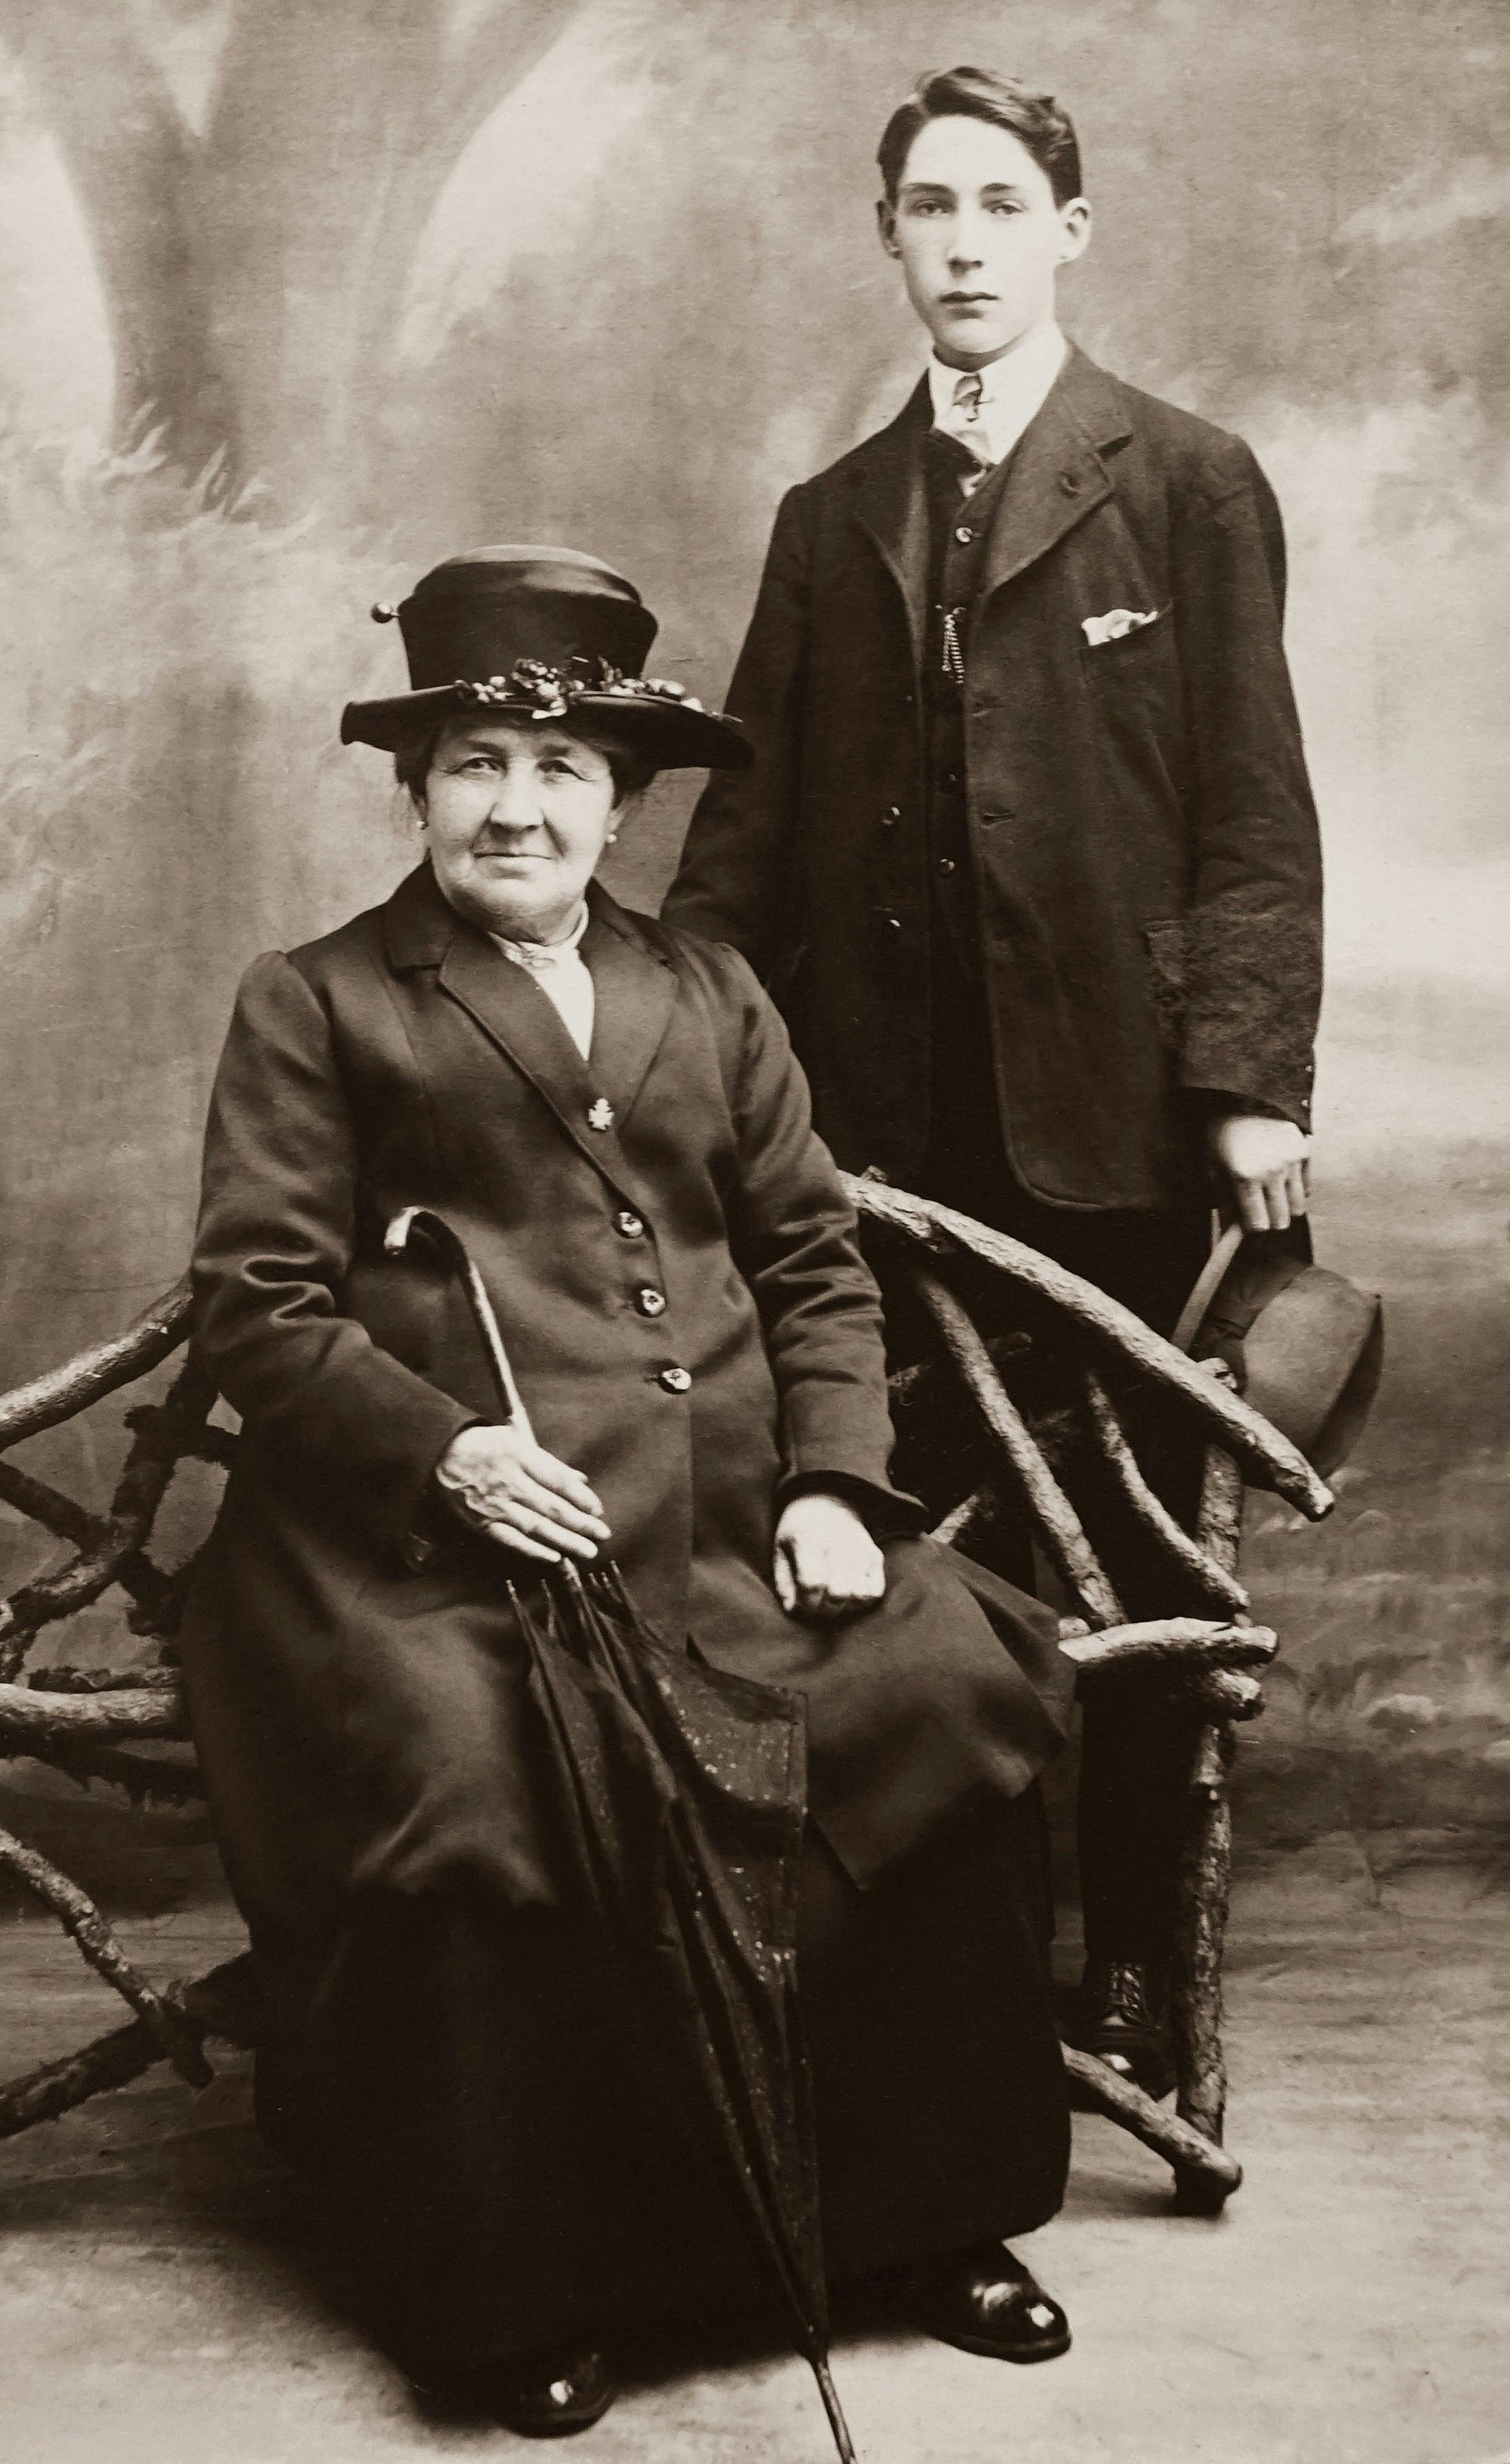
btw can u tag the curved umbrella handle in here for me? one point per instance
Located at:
(452, 1249)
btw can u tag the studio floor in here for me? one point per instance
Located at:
(164, 2295)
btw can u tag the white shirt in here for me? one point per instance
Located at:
(561, 971)
(1013, 391)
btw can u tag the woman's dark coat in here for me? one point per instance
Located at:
(675, 1270)
(1140, 831)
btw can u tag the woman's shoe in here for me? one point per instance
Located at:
(553, 2397)
(986, 2301)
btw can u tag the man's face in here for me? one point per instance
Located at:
(979, 237)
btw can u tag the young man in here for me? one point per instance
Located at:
(1029, 854)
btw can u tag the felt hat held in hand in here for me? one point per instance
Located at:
(1305, 1345)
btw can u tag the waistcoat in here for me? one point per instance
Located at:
(959, 529)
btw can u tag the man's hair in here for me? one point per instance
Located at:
(1005, 102)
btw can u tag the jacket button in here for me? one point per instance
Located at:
(946, 864)
(629, 1226)
(963, 534)
(649, 1301)
(1069, 483)
(676, 1382)
(891, 817)
(600, 1114)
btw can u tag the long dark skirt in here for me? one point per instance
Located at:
(459, 2083)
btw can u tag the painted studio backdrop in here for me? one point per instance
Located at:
(296, 298)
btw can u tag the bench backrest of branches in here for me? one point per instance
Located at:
(1026, 1464)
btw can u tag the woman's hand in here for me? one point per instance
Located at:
(505, 1485)
(827, 1565)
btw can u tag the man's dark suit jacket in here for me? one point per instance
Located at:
(1143, 840)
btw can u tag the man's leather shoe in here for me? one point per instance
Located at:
(553, 2397)
(1115, 2020)
(986, 2301)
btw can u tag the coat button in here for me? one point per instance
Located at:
(891, 817)
(649, 1301)
(600, 1114)
(1069, 483)
(946, 864)
(676, 1382)
(629, 1226)
(963, 534)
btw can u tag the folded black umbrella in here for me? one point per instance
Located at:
(681, 1795)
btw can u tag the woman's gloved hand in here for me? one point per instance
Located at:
(506, 1485)
(826, 1563)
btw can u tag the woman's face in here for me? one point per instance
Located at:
(517, 813)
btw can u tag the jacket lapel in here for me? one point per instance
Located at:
(1057, 476)
(892, 506)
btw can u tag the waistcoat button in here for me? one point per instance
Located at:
(946, 864)
(649, 1301)
(676, 1382)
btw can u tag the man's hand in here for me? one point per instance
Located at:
(826, 1563)
(505, 1485)
(1267, 1163)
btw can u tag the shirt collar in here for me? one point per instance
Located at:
(1013, 389)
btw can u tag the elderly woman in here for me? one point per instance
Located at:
(608, 1112)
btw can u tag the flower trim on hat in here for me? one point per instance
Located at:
(552, 691)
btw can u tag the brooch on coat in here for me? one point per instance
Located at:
(1117, 622)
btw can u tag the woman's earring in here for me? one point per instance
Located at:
(613, 838)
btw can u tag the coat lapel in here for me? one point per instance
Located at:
(1057, 476)
(635, 994)
(892, 505)
(635, 991)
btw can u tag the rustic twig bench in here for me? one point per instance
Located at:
(91, 1724)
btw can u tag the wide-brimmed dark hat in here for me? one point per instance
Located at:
(540, 632)
(1305, 1344)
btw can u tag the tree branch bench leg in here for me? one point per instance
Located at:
(1206, 1877)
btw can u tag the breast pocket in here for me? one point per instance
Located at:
(1133, 683)
(1142, 646)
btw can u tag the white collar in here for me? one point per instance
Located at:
(1013, 389)
(545, 953)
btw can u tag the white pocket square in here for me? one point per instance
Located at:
(1117, 622)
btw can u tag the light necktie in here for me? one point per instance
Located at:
(963, 420)
(961, 423)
